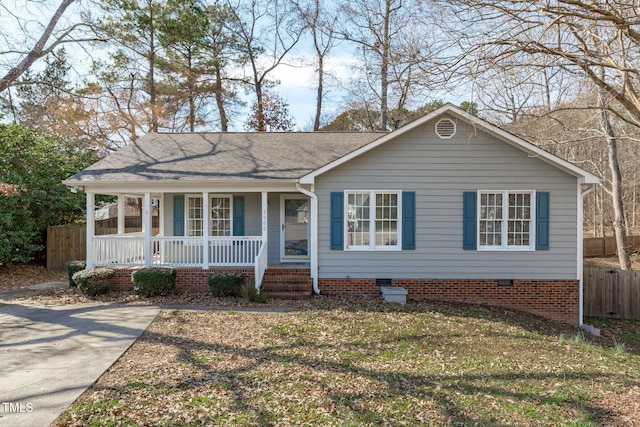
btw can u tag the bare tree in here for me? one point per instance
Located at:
(267, 31)
(599, 41)
(321, 23)
(53, 36)
(395, 41)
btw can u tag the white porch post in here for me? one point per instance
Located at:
(90, 227)
(265, 209)
(206, 225)
(147, 229)
(121, 213)
(161, 214)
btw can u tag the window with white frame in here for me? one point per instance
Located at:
(373, 220)
(194, 216)
(220, 215)
(505, 221)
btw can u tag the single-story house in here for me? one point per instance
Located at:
(450, 207)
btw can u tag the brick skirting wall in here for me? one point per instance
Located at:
(194, 279)
(552, 299)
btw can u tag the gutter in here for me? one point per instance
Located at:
(591, 329)
(314, 234)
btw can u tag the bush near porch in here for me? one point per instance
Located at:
(94, 281)
(153, 281)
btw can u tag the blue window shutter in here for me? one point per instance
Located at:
(408, 220)
(542, 220)
(469, 210)
(337, 221)
(238, 215)
(178, 215)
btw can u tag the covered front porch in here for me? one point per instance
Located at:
(204, 230)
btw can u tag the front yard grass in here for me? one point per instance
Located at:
(358, 362)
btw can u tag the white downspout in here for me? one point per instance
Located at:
(314, 234)
(581, 195)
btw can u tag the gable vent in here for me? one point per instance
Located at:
(445, 128)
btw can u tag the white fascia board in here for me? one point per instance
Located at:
(120, 187)
(532, 150)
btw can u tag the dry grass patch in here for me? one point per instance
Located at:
(20, 275)
(360, 362)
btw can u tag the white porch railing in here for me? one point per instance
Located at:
(261, 266)
(223, 251)
(118, 250)
(177, 251)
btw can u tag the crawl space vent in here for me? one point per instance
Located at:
(445, 128)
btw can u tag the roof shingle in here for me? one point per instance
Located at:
(201, 157)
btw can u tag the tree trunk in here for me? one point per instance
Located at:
(224, 121)
(616, 186)
(316, 124)
(192, 95)
(384, 71)
(40, 49)
(152, 72)
(262, 126)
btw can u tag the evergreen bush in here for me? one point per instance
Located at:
(226, 285)
(94, 281)
(72, 268)
(153, 281)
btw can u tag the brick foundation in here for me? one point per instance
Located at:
(194, 279)
(552, 299)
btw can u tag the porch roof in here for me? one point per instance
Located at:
(235, 157)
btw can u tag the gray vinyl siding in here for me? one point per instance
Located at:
(439, 171)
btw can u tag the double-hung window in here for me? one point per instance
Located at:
(220, 215)
(373, 220)
(194, 216)
(505, 220)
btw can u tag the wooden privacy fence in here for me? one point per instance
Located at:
(603, 246)
(611, 293)
(65, 243)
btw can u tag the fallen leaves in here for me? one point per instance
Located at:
(357, 362)
(19, 275)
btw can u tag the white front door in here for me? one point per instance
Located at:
(294, 226)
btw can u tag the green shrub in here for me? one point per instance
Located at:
(149, 282)
(226, 285)
(94, 281)
(250, 293)
(72, 268)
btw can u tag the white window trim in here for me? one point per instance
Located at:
(211, 196)
(505, 212)
(372, 231)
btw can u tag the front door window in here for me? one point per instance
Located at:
(295, 227)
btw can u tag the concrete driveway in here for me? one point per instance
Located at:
(50, 354)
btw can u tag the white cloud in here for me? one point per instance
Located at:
(298, 85)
